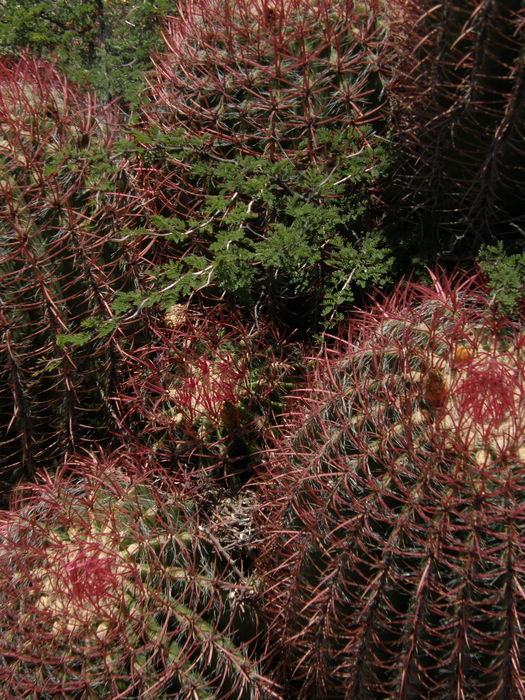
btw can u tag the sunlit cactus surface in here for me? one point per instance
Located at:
(111, 588)
(269, 76)
(394, 563)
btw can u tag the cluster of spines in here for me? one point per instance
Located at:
(410, 437)
(110, 587)
(394, 506)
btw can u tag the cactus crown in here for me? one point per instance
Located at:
(205, 390)
(110, 588)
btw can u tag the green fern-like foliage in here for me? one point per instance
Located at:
(261, 150)
(393, 561)
(505, 276)
(111, 588)
(299, 242)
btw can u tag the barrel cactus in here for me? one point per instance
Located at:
(111, 588)
(393, 562)
(205, 390)
(268, 76)
(459, 120)
(60, 265)
(261, 150)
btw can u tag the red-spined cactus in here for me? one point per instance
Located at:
(111, 588)
(262, 148)
(393, 565)
(205, 389)
(268, 76)
(457, 99)
(61, 262)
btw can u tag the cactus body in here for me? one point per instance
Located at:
(459, 119)
(267, 77)
(111, 589)
(394, 564)
(60, 265)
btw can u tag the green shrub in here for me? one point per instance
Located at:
(291, 239)
(106, 43)
(505, 275)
